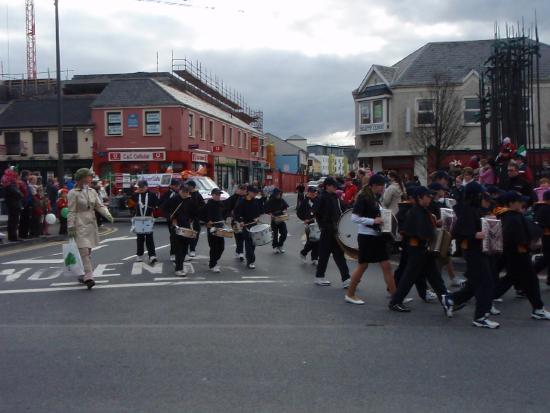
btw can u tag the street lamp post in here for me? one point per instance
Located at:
(60, 167)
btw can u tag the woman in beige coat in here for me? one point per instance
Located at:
(81, 221)
(393, 193)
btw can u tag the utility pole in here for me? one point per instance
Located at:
(60, 167)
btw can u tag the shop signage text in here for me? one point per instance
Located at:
(137, 156)
(199, 157)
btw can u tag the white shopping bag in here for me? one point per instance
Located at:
(72, 260)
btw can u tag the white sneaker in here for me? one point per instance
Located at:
(353, 300)
(215, 269)
(192, 254)
(251, 266)
(322, 282)
(152, 260)
(494, 311)
(275, 250)
(181, 273)
(407, 300)
(139, 258)
(484, 322)
(458, 282)
(187, 258)
(172, 258)
(241, 257)
(315, 262)
(345, 284)
(304, 258)
(237, 256)
(281, 250)
(430, 296)
(540, 314)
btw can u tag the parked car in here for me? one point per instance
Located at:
(205, 185)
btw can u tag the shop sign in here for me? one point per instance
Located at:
(217, 148)
(156, 180)
(199, 157)
(242, 163)
(133, 121)
(254, 144)
(193, 146)
(137, 156)
(226, 161)
(372, 127)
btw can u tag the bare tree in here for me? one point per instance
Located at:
(440, 125)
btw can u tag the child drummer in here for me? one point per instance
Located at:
(214, 219)
(306, 213)
(277, 207)
(145, 202)
(246, 214)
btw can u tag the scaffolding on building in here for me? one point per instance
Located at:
(199, 81)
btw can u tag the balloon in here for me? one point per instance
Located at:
(64, 212)
(50, 219)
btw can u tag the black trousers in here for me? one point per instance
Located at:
(329, 245)
(239, 240)
(62, 226)
(36, 225)
(148, 240)
(25, 222)
(13, 223)
(544, 262)
(181, 245)
(279, 233)
(312, 246)
(172, 233)
(480, 282)
(420, 283)
(217, 245)
(519, 273)
(249, 247)
(195, 241)
(419, 263)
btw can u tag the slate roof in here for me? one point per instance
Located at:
(42, 112)
(134, 92)
(453, 59)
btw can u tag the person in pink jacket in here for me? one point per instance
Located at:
(487, 174)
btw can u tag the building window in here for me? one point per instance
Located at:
(114, 124)
(40, 143)
(239, 139)
(191, 125)
(224, 139)
(245, 141)
(201, 129)
(471, 111)
(152, 122)
(372, 115)
(13, 143)
(70, 141)
(425, 112)
(231, 143)
(211, 131)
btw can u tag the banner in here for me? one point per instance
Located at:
(156, 180)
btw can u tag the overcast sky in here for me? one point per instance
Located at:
(297, 60)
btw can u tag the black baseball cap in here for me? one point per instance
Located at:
(330, 181)
(510, 197)
(436, 187)
(142, 183)
(251, 188)
(377, 179)
(192, 184)
(313, 189)
(422, 191)
(216, 191)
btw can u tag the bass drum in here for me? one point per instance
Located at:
(347, 235)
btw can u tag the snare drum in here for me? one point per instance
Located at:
(143, 225)
(314, 231)
(280, 218)
(223, 232)
(261, 234)
(185, 232)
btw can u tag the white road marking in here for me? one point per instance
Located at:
(34, 261)
(101, 268)
(38, 275)
(129, 258)
(138, 267)
(254, 278)
(232, 269)
(150, 284)
(76, 283)
(12, 275)
(125, 238)
(177, 278)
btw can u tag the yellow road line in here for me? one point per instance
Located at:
(108, 231)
